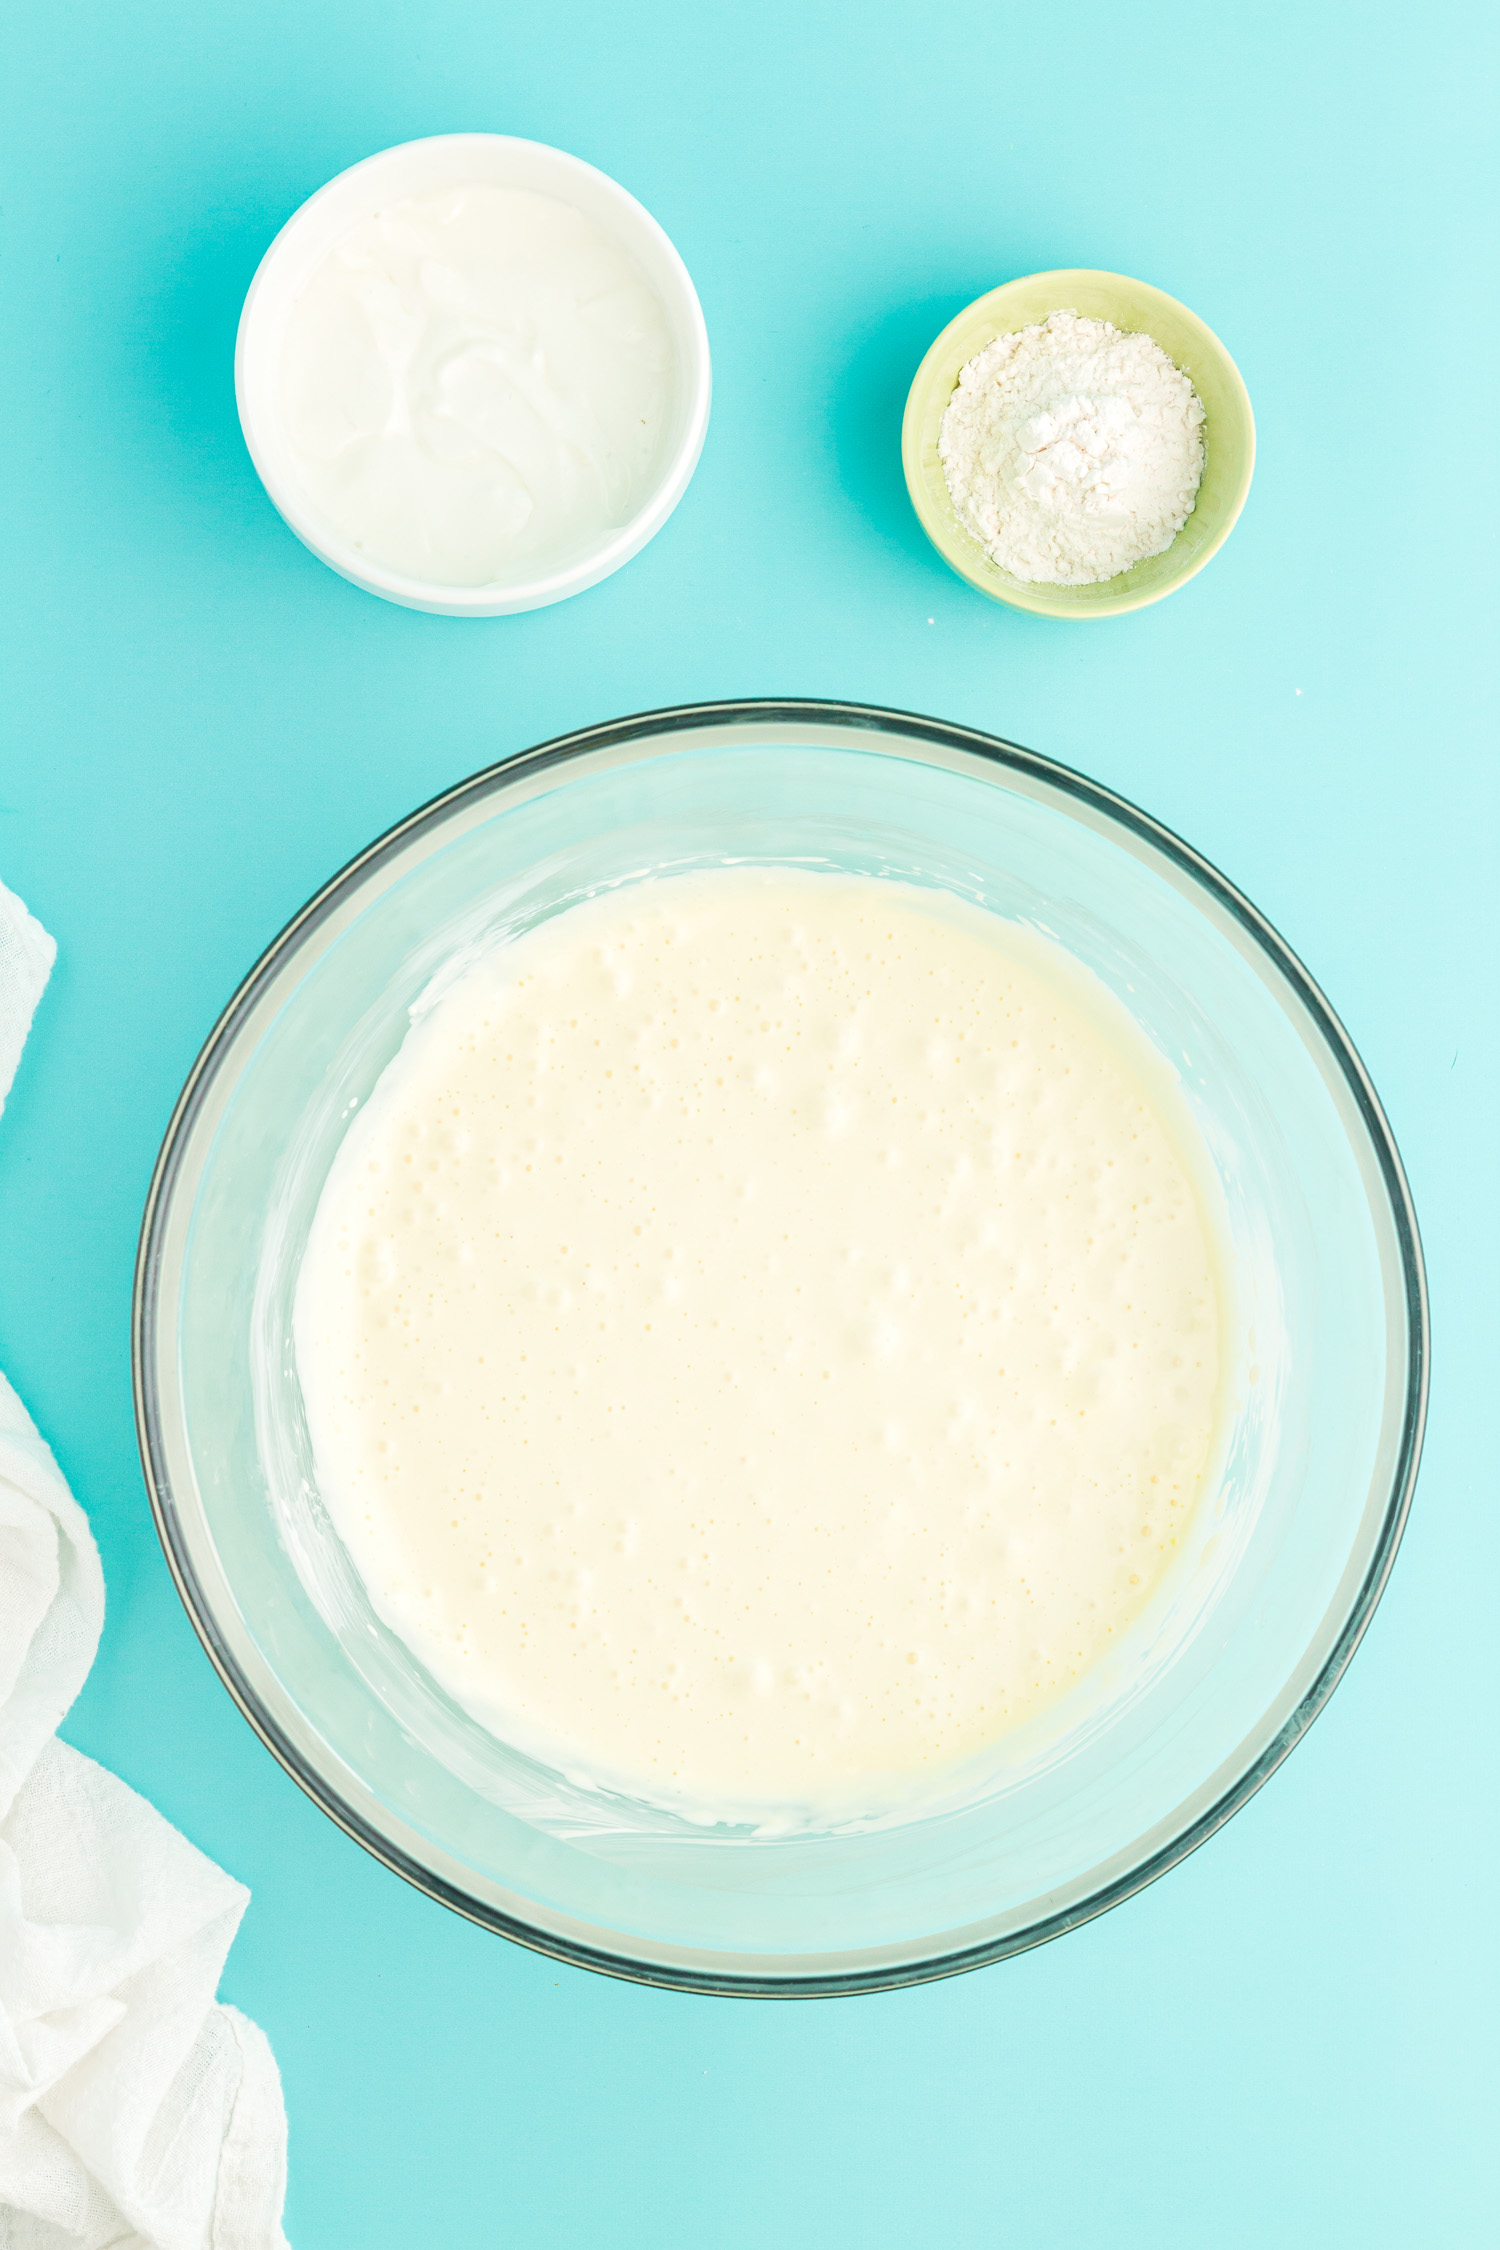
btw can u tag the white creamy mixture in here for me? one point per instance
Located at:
(476, 386)
(761, 1339)
(1072, 450)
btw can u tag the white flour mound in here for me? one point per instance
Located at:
(1072, 450)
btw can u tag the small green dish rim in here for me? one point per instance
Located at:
(1228, 435)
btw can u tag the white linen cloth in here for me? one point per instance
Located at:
(136, 2113)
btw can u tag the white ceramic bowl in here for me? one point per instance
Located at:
(421, 168)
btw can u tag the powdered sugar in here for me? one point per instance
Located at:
(1072, 450)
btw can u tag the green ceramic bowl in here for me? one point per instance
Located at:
(1228, 435)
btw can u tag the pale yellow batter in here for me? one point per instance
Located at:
(761, 1339)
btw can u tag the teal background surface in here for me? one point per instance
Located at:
(1289, 2041)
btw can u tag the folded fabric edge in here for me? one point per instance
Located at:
(27, 953)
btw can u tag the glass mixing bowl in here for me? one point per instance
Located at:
(1243, 1642)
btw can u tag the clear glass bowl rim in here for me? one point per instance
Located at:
(492, 781)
